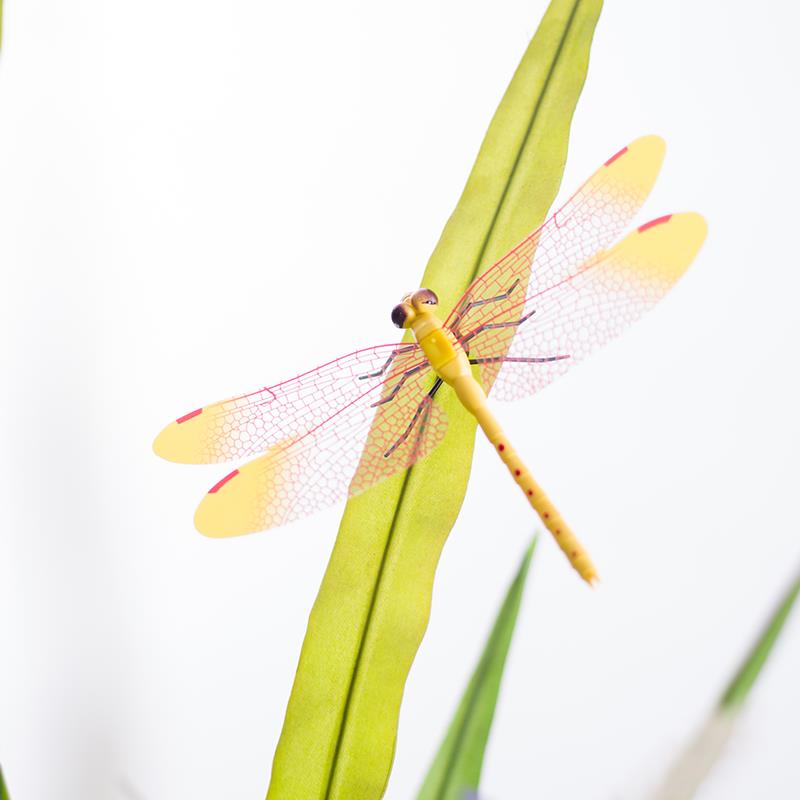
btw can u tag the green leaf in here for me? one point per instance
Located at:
(457, 766)
(747, 674)
(697, 760)
(373, 605)
(3, 791)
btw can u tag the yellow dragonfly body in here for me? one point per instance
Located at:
(451, 363)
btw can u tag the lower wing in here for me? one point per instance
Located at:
(377, 435)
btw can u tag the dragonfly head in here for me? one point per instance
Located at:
(413, 305)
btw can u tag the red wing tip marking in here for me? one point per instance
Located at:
(654, 222)
(217, 486)
(616, 156)
(188, 416)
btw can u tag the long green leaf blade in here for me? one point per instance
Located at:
(373, 605)
(457, 766)
(704, 750)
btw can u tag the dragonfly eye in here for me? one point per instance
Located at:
(425, 297)
(401, 314)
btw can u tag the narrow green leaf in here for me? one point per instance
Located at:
(373, 605)
(696, 761)
(3, 791)
(739, 687)
(457, 766)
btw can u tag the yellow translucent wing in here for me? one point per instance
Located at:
(382, 431)
(588, 306)
(252, 423)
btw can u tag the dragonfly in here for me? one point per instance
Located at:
(339, 429)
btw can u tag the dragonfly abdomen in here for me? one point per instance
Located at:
(535, 495)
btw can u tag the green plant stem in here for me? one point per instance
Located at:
(3, 790)
(742, 682)
(697, 760)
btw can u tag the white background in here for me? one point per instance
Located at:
(191, 194)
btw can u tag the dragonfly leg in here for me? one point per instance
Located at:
(435, 388)
(399, 385)
(490, 325)
(382, 370)
(422, 408)
(506, 359)
(470, 304)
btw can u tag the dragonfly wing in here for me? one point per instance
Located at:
(566, 321)
(251, 423)
(587, 223)
(378, 434)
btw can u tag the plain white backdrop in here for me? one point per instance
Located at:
(189, 194)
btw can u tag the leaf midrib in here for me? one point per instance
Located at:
(372, 601)
(521, 150)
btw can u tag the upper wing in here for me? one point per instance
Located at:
(250, 423)
(378, 434)
(562, 323)
(589, 221)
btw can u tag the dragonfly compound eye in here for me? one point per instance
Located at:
(425, 297)
(401, 314)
